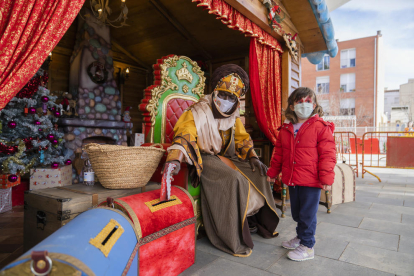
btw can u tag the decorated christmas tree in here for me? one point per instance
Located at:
(29, 136)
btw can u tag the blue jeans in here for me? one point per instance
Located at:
(304, 202)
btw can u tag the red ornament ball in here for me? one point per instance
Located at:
(54, 142)
(53, 109)
(37, 123)
(54, 165)
(40, 129)
(68, 162)
(50, 137)
(32, 110)
(44, 99)
(12, 178)
(11, 124)
(57, 114)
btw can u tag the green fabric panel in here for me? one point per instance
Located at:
(180, 83)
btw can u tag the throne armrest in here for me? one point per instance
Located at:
(181, 179)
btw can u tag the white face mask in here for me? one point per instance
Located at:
(223, 105)
(303, 110)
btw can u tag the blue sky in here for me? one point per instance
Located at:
(395, 19)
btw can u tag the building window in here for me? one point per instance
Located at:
(348, 58)
(396, 100)
(348, 82)
(324, 65)
(347, 107)
(322, 85)
(325, 106)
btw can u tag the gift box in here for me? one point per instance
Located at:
(5, 183)
(139, 139)
(18, 192)
(5, 200)
(42, 178)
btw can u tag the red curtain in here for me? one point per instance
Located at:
(236, 21)
(265, 87)
(29, 31)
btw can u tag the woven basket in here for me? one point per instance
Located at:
(120, 167)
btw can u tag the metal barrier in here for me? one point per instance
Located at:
(347, 147)
(376, 152)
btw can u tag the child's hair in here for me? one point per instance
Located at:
(298, 94)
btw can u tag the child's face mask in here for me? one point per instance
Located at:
(304, 108)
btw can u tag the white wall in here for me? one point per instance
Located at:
(407, 97)
(380, 81)
(389, 101)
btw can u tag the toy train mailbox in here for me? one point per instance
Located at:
(133, 235)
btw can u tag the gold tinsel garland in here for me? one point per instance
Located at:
(21, 148)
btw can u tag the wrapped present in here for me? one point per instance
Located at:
(5, 200)
(41, 178)
(5, 183)
(139, 139)
(18, 192)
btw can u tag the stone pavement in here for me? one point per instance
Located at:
(372, 236)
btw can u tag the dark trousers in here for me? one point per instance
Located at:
(304, 202)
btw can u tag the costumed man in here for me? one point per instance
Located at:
(236, 199)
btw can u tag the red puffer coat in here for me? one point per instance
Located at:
(309, 158)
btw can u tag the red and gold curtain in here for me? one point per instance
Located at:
(29, 30)
(235, 20)
(265, 87)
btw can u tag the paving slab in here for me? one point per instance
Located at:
(409, 203)
(407, 219)
(262, 257)
(388, 227)
(381, 259)
(406, 245)
(362, 236)
(391, 194)
(202, 259)
(229, 268)
(388, 214)
(340, 219)
(388, 201)
(322, 266)
(389, 208)
(366, 193)
(329, 247)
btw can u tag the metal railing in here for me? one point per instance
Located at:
(374, 150)
(347, 149)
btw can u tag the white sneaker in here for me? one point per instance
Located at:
(292, 244)
(301, 253)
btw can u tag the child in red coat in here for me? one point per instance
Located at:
(305, 154)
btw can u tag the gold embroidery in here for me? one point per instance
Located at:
(150, 204)
(108, 236)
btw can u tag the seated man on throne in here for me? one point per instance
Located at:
(236, 199)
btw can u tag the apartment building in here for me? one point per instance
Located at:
(352, 82)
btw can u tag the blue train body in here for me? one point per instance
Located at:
(98, 242)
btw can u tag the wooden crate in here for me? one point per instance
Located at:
(46, 210)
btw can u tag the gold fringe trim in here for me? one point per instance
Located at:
(243, 255)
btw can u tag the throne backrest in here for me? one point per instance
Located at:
(178, 83)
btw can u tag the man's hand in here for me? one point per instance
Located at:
(255, 163)
(326, 187)
(177, 167)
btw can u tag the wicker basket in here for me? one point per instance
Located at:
(120, 167)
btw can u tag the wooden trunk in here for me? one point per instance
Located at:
(45, 211)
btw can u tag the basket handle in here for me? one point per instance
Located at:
(157, 144)
(87, 146)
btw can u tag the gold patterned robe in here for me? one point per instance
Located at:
(228, 194)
